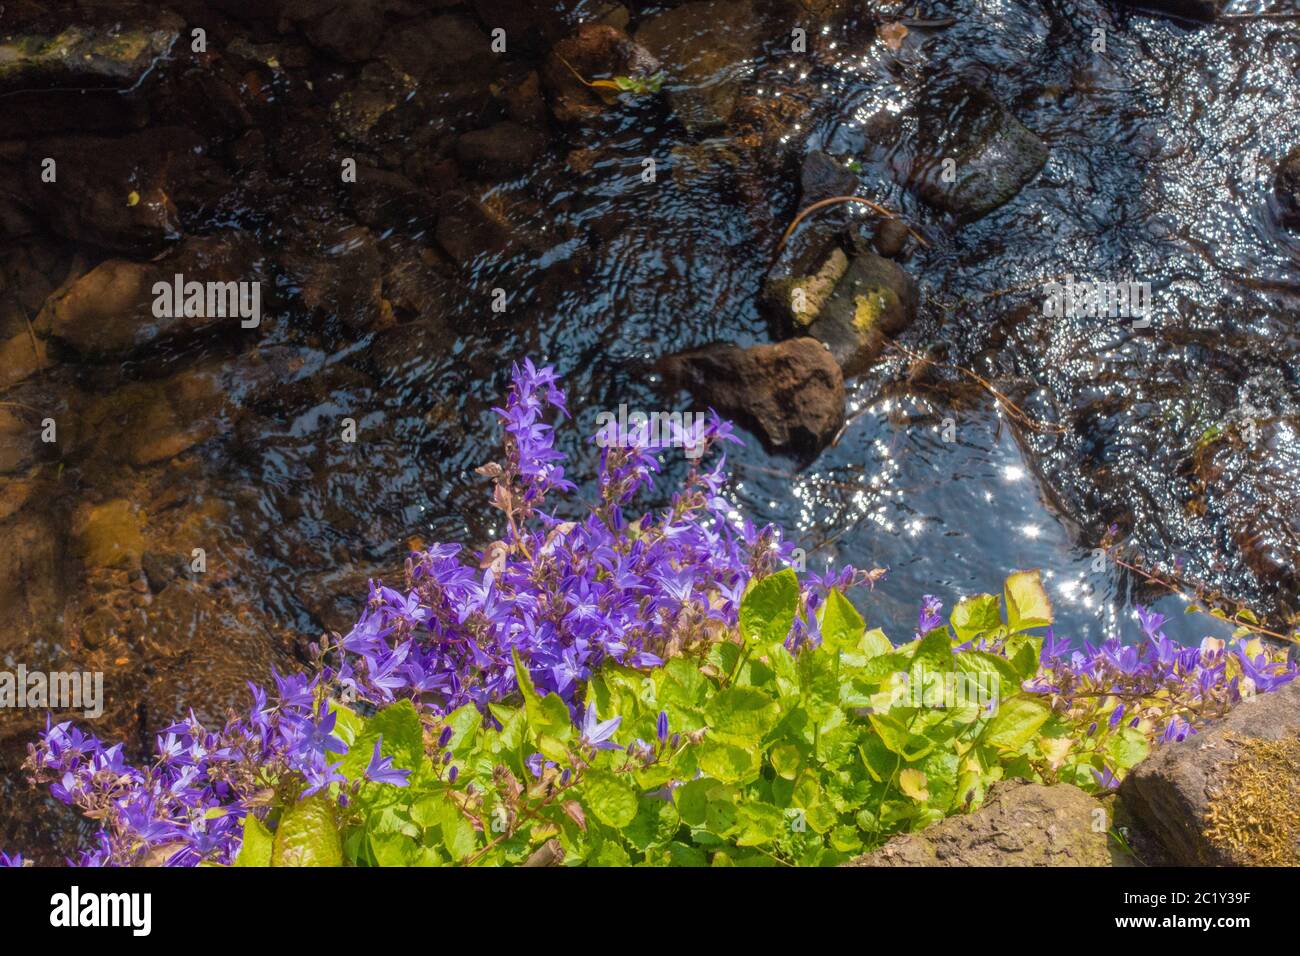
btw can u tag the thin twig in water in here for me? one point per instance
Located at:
(1014, 411)
(835, 200)
(1202, 594)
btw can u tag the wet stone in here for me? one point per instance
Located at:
(1189, 9)
(995, 155)
(502, 151)
(872, 301)
(706, 48)
(112, 309)
(790, 394)
(114, 55)
(593, 51)
(1286, 188)
(109, 535)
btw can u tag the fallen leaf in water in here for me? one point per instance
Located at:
(892, 34)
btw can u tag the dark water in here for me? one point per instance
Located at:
(1162, 152)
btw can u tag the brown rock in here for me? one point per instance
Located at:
(790, 394)
(502, 151)
(1286, 188)
(705, 48)
(594, 51)
(1020, 824)
(110, 310)
(21, 357)
(338, 271)
(1199, 796)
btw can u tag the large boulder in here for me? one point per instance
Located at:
(706, 48)
(1020, 824)
(993, 155)
(1226, 796)
(791, 394)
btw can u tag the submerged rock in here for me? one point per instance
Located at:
(823, 177)
(1020, 824)
(1286, 188)
(593, 51)
(111, 309)
(502, 151)
(1226, 796)
(992, 154)
(111, 192)
(21, 357)
(1190, 9)
(791, 394)
(113, 55)
(706, 49)
(338, 271)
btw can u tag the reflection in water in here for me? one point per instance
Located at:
(1184, 434)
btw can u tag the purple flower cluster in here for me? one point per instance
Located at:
(1156, 682)
(565, 595)
(188, 805)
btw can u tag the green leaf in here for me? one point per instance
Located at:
(744, 712)
(840, 623)
(348, 725)
(896, 736)
(1015, 723)
(974, 615)
(656, 823)
(546, 715)
(913, 783)
(728, 762)
(403, 740)
(256, 847)
(553, 749)
(875, 643)
(1127, 749)
(759, 823)
(1027, 602)
(464, 722)
(308, 835)
(610, 800)
(933, 656)
(768, 608)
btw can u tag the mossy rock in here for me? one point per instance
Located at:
(873, 300)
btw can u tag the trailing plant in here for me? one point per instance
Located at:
(660, 690)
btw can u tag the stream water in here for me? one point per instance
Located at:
(1162, 152)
